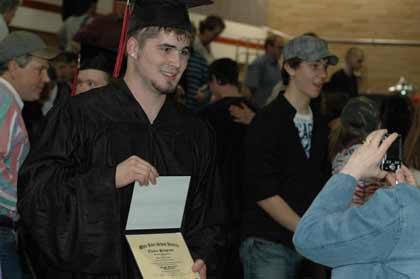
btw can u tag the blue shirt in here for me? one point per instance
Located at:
(379, 239)
(195, 76)
(261, 76)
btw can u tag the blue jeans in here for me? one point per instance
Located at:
(263, 259)
(9, 258)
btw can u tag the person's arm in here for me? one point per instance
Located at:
(242, 113)
(253, 75)
(333, 234)
(8, 170)
(280, 211)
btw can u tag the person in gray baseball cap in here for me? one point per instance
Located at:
(23, 74)
(23, 64)
(285, 162)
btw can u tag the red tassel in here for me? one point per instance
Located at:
(123, 41)
(76, 73)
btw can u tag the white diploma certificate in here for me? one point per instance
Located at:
(160, 207)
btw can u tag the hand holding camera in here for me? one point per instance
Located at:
(402, 175)
(366, 161)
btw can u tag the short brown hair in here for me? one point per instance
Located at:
(22, 61)
(270, 41)
(294, 64)
(143, 34)
(211, 22)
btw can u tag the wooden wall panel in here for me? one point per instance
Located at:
(246, 11)
(356, 19)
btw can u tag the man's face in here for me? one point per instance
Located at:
(89, 79)
(276, 49)
(30, 80)
(209, 36)
(356, 61)
(9, 15)
(65, 71)
(310, 76)
(161, 61)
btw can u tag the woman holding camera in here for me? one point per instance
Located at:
(378, 239)
(358, 118)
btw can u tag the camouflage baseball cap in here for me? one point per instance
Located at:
(308, 48)
(360, 116)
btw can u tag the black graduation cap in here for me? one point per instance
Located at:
(163, 13)
(97, 58)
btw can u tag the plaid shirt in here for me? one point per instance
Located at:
(14, 147)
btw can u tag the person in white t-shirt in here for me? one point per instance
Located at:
(285, 163)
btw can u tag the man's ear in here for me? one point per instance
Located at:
(289, 70)
(12, 66)
(133, 48)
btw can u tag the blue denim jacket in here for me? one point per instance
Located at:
(380, 239)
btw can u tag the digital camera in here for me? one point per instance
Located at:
(392, 160)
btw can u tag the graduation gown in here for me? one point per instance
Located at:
(230, 140)
(230, 137)
(72, 214)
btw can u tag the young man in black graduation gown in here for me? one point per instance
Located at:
(75, 188)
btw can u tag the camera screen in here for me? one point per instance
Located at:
(395, 151)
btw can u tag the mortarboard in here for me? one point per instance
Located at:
(97, 58)
(163, 13)
(160, 13)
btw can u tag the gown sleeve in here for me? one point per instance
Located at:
(63, 202)
(206, 212)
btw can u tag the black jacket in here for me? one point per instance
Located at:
(276, 164)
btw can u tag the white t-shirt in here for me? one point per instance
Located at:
(304, 123)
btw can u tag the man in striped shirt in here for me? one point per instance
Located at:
(23, 75)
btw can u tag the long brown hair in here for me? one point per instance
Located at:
(412, 142)
(340, 138)
(358, 118)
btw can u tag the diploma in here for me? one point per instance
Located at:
(159, 206)
(162, 256)
(153, 225)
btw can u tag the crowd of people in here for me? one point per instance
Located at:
(285, 165)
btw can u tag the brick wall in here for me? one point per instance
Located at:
(357, 19)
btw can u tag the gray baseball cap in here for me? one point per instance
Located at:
(308, 48)
(19, 43)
